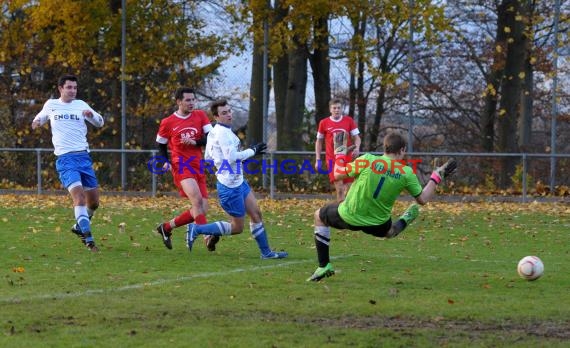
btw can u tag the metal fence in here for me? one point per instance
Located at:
(285, 173)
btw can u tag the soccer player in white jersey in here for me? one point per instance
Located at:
(68, 117)
(234, 193)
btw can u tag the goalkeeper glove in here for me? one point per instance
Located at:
(259, 148)
(444, 171)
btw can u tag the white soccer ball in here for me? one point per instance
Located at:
(530, 268)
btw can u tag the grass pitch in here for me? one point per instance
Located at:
(449, 280)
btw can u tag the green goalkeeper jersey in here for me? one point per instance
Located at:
(379, 182)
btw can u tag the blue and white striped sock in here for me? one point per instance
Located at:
(218, 228)
(82, 218)
(260, 236)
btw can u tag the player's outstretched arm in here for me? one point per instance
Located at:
(35, 124)
(438, 175)
(93, 116)
(39, 120)
(441, 173)
(259, 148)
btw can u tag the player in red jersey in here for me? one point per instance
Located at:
(344, 129)
(184, 133)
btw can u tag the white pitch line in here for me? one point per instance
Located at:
(89, 292)
(60, 296)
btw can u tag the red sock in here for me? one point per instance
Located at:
(201, 219)
(184, 218)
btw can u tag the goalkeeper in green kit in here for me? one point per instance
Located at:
(379, 180)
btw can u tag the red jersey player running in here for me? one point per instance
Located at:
(184, 132)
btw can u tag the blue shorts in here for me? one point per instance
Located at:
(232, 200)
(76, 167)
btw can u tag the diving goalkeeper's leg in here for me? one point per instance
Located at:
(404, 220)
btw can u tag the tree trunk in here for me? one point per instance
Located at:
(280, 79)
(527, 96)
(489, 113)
(256, 123)
(525, 122)
(320, 66)
(375, 141)
(361, 99)
(352, 93)
(255, 117)
(115, 108)
(511, 89)
(494, 79)
(357, 99)
(291, 124)
(384, 66)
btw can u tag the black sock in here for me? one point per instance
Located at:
(322, 252)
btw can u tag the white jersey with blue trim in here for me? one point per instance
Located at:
(68, 128)
(223, 148)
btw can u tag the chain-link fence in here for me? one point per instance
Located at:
(282, 173)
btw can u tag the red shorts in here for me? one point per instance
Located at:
(331, 171)
(187, 174)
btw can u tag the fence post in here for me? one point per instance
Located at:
(524, 169)
(39, 170)
(153, 175)
(271, 178)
